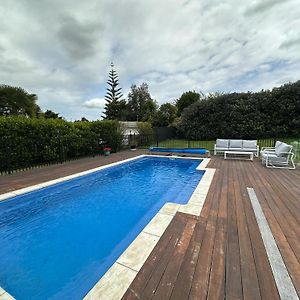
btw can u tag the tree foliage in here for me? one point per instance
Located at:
(274, 113)
(165, 115)
(49, 114)
(16, 101)
(186, 99)
(140, 107)
(115, 107)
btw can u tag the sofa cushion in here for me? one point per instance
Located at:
(282, 150)
(222, 143)
(236, 144)
(249, 144)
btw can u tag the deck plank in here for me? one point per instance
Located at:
(200, 282)
(233, 285)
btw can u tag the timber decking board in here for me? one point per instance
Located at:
(225, 257)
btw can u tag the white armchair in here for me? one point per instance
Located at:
(280, 156)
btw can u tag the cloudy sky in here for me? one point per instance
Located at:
(62, 50)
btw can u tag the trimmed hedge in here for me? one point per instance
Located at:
(26, 142)
(270, 114)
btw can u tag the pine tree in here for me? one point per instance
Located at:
(115, 107)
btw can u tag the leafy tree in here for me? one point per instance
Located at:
(141, 107)
(16, 101)
(165, 115)
(49, 114)
(115, 107)
(186, 99)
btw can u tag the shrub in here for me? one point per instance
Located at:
(26, 142)
(244, 115)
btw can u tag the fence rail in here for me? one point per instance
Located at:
(23, 154)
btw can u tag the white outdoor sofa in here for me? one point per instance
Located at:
(280, 156)
(223, 145)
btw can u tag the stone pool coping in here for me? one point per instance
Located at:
(114, 283)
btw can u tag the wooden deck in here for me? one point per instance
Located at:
(221, 254)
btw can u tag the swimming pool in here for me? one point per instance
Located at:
(57, 242)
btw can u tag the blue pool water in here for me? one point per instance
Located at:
(57, 242)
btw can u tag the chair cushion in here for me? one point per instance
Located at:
(237, 144)
(249, 144)
(277, 144)
(282, 150)
(273, 158)
(222, 143)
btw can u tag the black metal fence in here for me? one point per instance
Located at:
(20, 153)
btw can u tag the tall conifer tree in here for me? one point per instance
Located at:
(115, 107)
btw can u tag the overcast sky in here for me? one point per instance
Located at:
(61, 50)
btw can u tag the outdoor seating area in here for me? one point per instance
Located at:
(279, 156)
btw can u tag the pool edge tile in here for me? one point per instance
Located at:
(137, 252)
(169, 208)
(106, 287)
(158, 224)
(7, 196)
(5, 295)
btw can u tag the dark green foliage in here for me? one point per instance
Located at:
(141, 107)
(115, 106)
(273, 113)
(49, 114)
(165, 115)
(16, 101)
(186, 99)
(26, 142)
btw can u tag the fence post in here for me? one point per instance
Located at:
(129, 140)
(60, 148)
(7, 155)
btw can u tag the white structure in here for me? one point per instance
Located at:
(129, 127)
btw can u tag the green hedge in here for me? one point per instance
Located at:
(273, 114)
(26, 142)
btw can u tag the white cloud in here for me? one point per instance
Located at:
(95, 103)
(64, 54)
